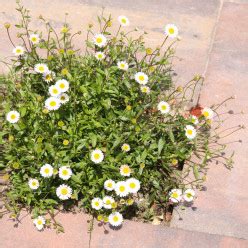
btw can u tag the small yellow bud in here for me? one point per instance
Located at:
(197, 77)
(134, 121)
(122, 201)
(39, 98)
(109, 24)
(114, 205)
(61, 123)
(64, 71)
(90, 25)
(151, 69)
(64, 29)
(129, 107)
(105, 219)
(49, 57)
(204, 178)
(130, 202)
(16, 165)
(11, 138)
(180, 89)
(142, 165)
(18, 85)
(174, 161)
(6, 177)
(209, 122)
(99, 217)
(66, 142)
(61, 51)
(39, 140)
(148, 51)
(137, 129)
(45, 111)
(70, 52)
(7, 25)
(55, 171)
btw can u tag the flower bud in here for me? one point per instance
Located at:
(7, 25)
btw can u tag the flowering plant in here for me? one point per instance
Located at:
(105, 131)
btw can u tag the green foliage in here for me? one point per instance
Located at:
(106, 109)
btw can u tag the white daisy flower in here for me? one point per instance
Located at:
(125, 170)
(34, 38)
(46, 170)
(18, 50)
(100, 40)
(48, 76)
(13, 116)
(125, 148)
(133, 185)
(64, 98)
(52, 103)
(97, 203)
(115, 219)
(194, 119)
(97, 156)
(54, 90)
(65, 172)
(41, 68)
(121, 189)
(145, 89)
(164, 107)
(109, 185)
(208, 113)
(190, 132)
(100, 56)
(108, 201)
(171, 30)
(39, 222)
(123, 20)
(141, 78)
(175, 195)
(64, 192)
(33, 183)
(63, 85)
(188, 195)
(123, 65)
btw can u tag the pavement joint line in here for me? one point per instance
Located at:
(213, 35)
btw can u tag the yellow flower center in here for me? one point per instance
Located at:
(115, 218)
(18, 50)
(96, 204)
(41, 68)
(122, 188)
(132, 185)
(125, 147)
(96, 156)
(48, 77)
(39, 222)
(34, 39)
(188, 195)
(55, 91)
(171, 30)
(110, 185)
(62, 98)
(206, 114)
(33, 183)
(99, 40)
(164, 107)
(174, 195)
(46, 170)
(108, 202)
(126, 170)
(52, 103)
(65, 172)
(141, 78)
(64, 191)
(189, 131)
(99, 56)
(123, 20)
(62, 86)
(144, 90)
(122, 66)
(13, 116)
